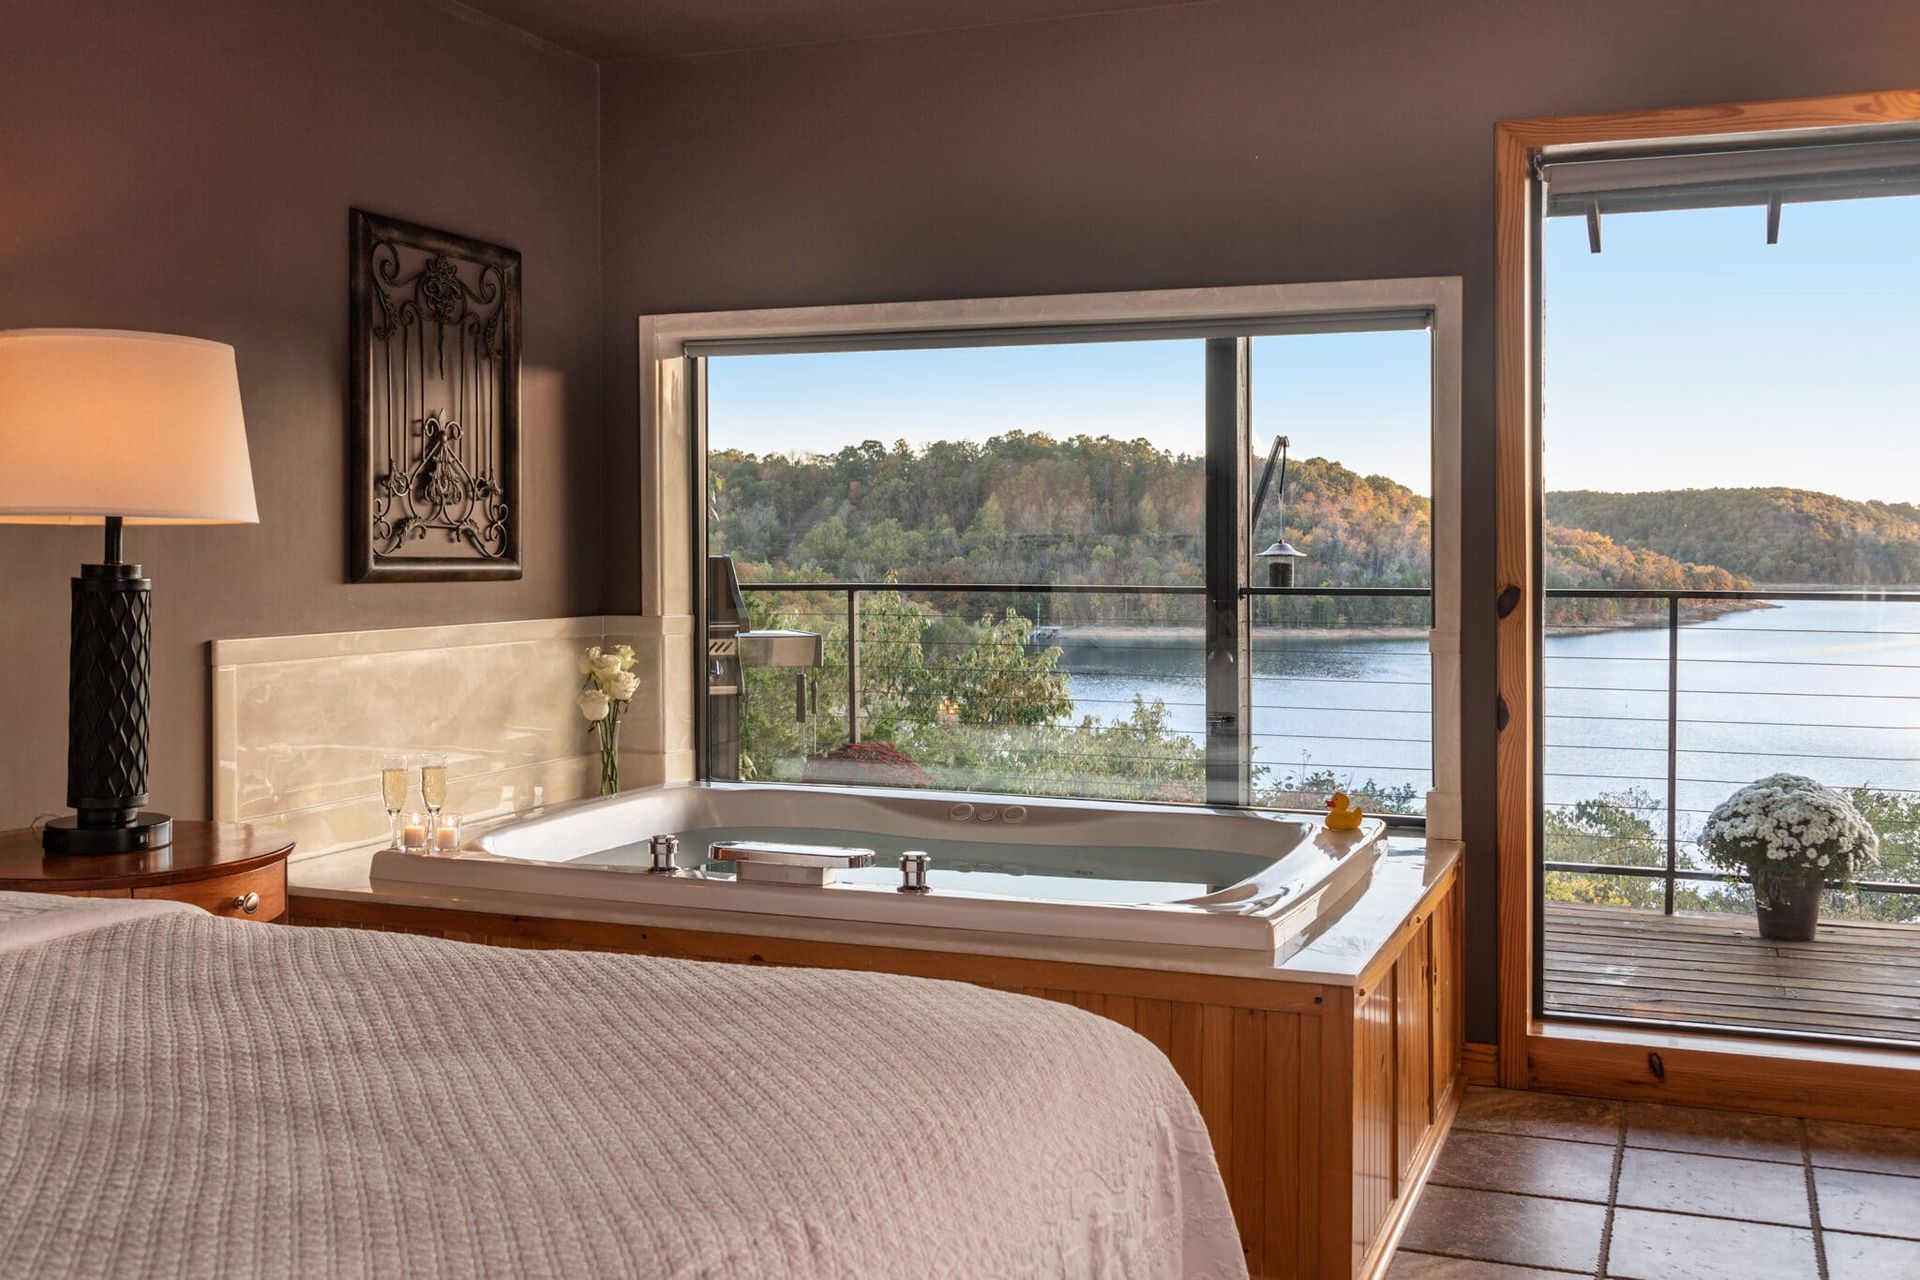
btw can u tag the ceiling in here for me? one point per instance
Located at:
(630, 30)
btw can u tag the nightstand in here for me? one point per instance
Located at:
(230, 869)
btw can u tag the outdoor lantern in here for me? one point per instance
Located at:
(1280, 558)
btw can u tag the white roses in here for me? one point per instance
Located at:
(596, 661)
(609, 686)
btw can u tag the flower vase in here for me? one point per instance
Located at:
(1791, 910)
(610, 755)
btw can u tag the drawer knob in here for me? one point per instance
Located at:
(248, 902)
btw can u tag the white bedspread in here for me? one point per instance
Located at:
(184, 1095)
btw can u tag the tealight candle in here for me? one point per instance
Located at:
(413, 835)
(446, 833)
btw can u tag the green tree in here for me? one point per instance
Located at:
(1626, 828)
(1614, 829)
(997, 680)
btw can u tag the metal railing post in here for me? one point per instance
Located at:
(853, 665)
(1673, 744)
(1228, 635)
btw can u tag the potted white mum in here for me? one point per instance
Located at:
(603, 699)
(1792, 837)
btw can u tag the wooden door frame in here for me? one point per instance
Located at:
(1533, 1053)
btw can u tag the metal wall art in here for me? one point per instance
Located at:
(435, 404)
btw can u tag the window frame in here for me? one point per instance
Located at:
(673, 458)
(1536, 1051)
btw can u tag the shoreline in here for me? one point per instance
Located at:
(1094, 635)
(1652, 621)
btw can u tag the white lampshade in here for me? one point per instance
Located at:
(102, 422)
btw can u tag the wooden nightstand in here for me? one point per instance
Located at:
(229, 869)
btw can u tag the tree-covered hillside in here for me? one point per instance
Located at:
(1018, 508)
(1772, 536)
(1023, 508)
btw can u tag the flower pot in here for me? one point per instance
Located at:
(1793, 914)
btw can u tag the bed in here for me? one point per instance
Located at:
(185, 1095)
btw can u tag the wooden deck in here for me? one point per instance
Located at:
(1856, 980)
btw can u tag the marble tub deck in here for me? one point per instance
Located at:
(1336, 953)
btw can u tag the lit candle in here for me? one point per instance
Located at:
(414, 834)
(446, 833)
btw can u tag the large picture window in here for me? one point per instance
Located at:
(1034, 566)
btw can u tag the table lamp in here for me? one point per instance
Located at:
(100, 426)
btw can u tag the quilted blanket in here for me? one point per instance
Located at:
(188, 1096)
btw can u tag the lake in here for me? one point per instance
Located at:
(1826, 688)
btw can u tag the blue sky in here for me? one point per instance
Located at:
(1360, 398)
(1690, 353)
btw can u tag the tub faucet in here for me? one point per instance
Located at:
(913, 872)
(806, 864)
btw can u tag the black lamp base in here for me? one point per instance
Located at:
(148, 830)
(107, 686)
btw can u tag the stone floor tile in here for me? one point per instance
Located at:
(1525, 1165)
(1704, 1131)
(1430, 1266)
(1495, 1227)
(1750, 1190)
(1540, 1115)
(1671, 1246)
(1876, 1203)
(1851, 1257)
(1872, 1148)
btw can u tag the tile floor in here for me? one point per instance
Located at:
(1534, 1186)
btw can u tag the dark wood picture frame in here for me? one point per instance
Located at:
(433, 404)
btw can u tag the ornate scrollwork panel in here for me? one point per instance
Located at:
(435, 333)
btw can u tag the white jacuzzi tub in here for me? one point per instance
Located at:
(1245, 879)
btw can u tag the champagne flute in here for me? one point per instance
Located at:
(393, 794)
(433, 786)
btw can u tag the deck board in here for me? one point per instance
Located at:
(1854, 980)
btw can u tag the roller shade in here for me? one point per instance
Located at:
(1627, 183)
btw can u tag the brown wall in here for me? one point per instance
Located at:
(188, 167)
(1238, 142)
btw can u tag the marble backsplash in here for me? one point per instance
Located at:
(302, 724)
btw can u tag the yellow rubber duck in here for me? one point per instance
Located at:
(1342, 813)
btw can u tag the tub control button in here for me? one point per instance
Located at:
(960, 812)
(666, 855)
(913, 872)
(1014, 813)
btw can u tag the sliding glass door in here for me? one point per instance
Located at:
(1730, 557)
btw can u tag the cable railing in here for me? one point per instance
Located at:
(1647, 713)
(1125, 640)
(1725, 673)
